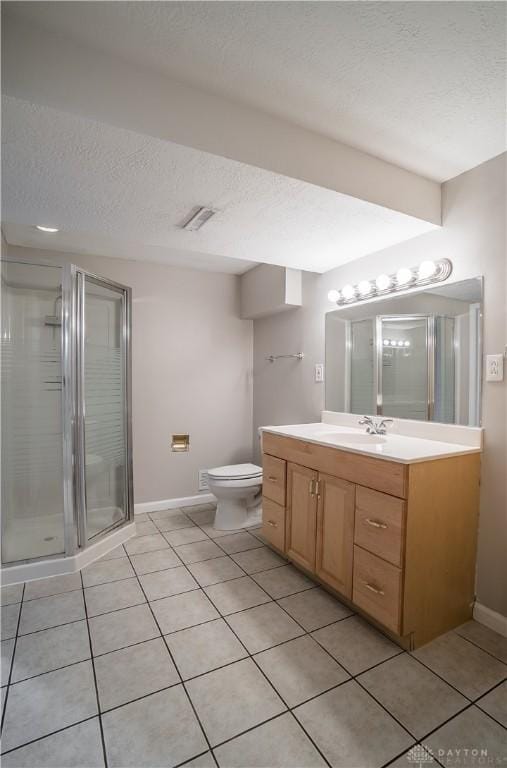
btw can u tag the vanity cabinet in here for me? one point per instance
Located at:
(335, 533)
(397, 541)
(301, 515)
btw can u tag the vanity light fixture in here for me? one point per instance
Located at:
(383, 283)
(396, 343)
(426, 270)
(348, 292)
(365, 288)
(46, 229)
(404, 276)
(426, 273)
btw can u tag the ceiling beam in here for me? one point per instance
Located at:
(46, 68)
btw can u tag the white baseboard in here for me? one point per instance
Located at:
(490, 619)
(184, 501)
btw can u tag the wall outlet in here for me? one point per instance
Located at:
(203, 480)
(319, 373)
(494, 367)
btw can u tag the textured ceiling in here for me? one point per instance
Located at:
(421, 84)
(119, 193)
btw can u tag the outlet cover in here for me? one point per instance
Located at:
(319, 373)
(203, 480)
(494, 367)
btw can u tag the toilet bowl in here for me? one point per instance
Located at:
(238, 489)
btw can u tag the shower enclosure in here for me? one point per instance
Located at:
(66, 425)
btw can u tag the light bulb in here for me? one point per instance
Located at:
(400, 343)
(393, 342)
(426, 270)
(383, 282)
(404, 276)
(364, 287)
(46, 229)
(386, 342)
(407, 343)
(348, 292)
(334, 295)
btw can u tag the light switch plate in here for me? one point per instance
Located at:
(319, 373)
(494, 367)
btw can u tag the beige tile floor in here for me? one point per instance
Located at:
(190, 648)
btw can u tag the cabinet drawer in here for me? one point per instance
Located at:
(379, 524)
(273, 478)
(273, 523)
(377, 588)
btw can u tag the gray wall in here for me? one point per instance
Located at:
(192, 370)
(473, 237)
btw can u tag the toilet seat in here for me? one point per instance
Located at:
(236, 472)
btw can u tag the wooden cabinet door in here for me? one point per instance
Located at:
(335, 533)
(301, 515)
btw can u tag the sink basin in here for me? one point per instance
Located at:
(354, 438)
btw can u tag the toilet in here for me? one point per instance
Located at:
(238, 488)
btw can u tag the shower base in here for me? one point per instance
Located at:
(54, 564)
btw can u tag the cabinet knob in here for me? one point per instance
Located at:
(373, 588)
(376, 523)
(272, 478)
(272, 523)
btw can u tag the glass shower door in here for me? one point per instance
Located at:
(104, 421)
(32, 408)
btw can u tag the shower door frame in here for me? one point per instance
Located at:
(78, 277)
(72, 373)
(430, 351)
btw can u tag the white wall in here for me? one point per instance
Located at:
(473, 237)
(192, 370)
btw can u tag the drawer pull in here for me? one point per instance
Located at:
(376, 523)
(272, 478)
(272, 523)
(373, 589)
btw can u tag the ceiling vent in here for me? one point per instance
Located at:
(197, 218)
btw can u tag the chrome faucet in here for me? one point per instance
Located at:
(375, 427)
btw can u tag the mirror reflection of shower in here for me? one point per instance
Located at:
(423, 365)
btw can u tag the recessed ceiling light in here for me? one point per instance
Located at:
(46, 229)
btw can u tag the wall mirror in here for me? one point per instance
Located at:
(416, 356)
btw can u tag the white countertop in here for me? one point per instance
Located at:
(391, 447)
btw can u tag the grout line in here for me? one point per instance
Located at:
(12, 657)
(48, 671)
(56, 594)
(352, 677)
(489, 653)
(249, 655)
(175, 665)
(497, 685)
(94, 677)
(47, 735)
(439, 676)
